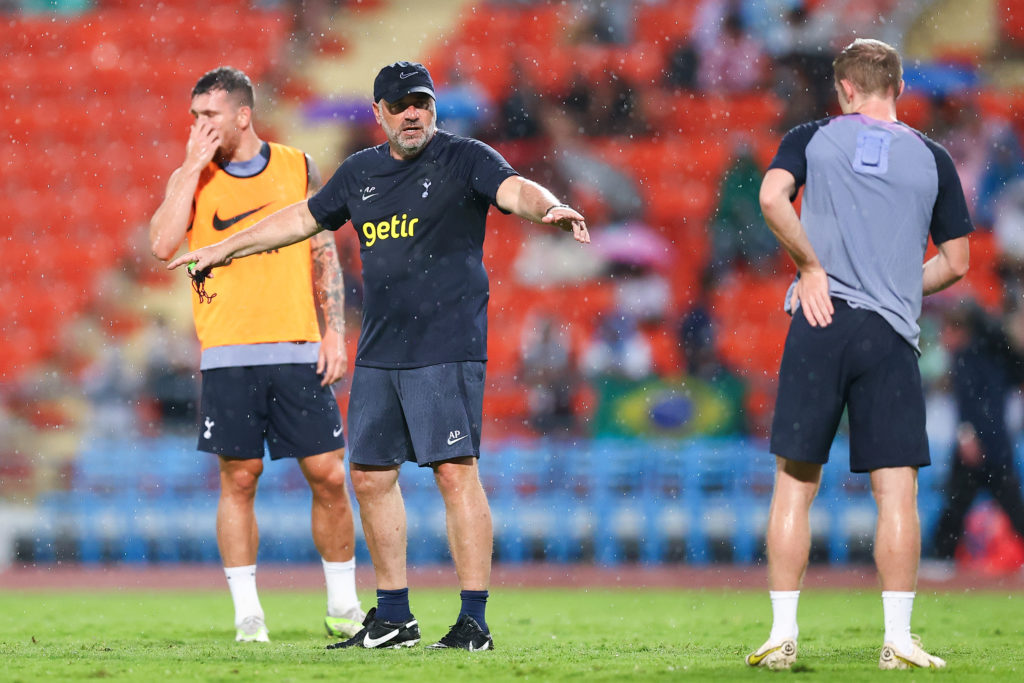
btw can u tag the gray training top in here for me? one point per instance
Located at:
(874, 192)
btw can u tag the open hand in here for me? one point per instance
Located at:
(569, 220)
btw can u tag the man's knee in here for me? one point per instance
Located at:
(457, 476)
(372, 482)
(325, 472)
(240, 478)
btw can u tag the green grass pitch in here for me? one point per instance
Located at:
(541, 635)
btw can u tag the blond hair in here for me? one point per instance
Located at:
(873, 67)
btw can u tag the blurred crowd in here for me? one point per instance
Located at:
(650, 362)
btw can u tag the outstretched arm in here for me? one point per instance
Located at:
(948, 266)
(811, 291)
(534, 202)
(289, 225)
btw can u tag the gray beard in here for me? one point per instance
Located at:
(410, 150)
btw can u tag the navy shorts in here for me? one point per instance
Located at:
(860, 363)
(424, 415)
(283, 406)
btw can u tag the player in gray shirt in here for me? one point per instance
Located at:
(874, 191)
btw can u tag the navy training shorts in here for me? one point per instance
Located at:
(857, 362)
(424, 415)
(283, 406)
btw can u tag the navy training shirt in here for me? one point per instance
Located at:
(874, 191)
(421, 233)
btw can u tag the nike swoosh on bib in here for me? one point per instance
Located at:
(225, 223)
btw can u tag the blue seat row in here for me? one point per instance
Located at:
(608, 501)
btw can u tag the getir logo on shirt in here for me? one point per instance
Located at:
(393, 229)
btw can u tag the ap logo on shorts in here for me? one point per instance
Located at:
(455, 436)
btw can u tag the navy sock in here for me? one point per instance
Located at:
(474, 604)
(393, 605)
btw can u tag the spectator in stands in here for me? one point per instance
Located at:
(607, 21)
(703, 362)
(683, 63)
(170, 378)
(958, 126)
(733, 63)
(606, 106)
(987, 367)
(739, 235)
(112, 387)
(313, 22)
(548, 370)
(1004, 163)
(803, 64)
(616, 361)
(619, 349)
(1008, 228)
(518, 115)
(641, 291)
(266, 370)
(585, 177)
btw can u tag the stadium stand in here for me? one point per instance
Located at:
(92, 118)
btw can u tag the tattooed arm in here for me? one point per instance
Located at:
(330, 294)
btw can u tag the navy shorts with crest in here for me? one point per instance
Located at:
(283, 406)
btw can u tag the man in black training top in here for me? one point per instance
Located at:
(419, 204)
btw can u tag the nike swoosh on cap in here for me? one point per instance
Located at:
(225, 223)
(405, 76)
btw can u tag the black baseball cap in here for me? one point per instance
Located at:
(397, 80)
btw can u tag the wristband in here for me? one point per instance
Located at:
(556, 206)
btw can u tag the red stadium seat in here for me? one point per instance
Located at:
(1011, 20)
(668, 23)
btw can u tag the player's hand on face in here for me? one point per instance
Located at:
(333, 359)
(811, 294)
(569, 220)
(203, 141)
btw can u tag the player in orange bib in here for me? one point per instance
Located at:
(267, 374)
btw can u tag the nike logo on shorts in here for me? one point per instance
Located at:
(225, 223)
(337, 432)
(451, 440)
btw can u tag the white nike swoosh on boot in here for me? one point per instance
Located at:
(375, 642)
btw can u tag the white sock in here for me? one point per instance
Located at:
(341, 587)
(242, 582)
(784, 615)
(896, 609)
